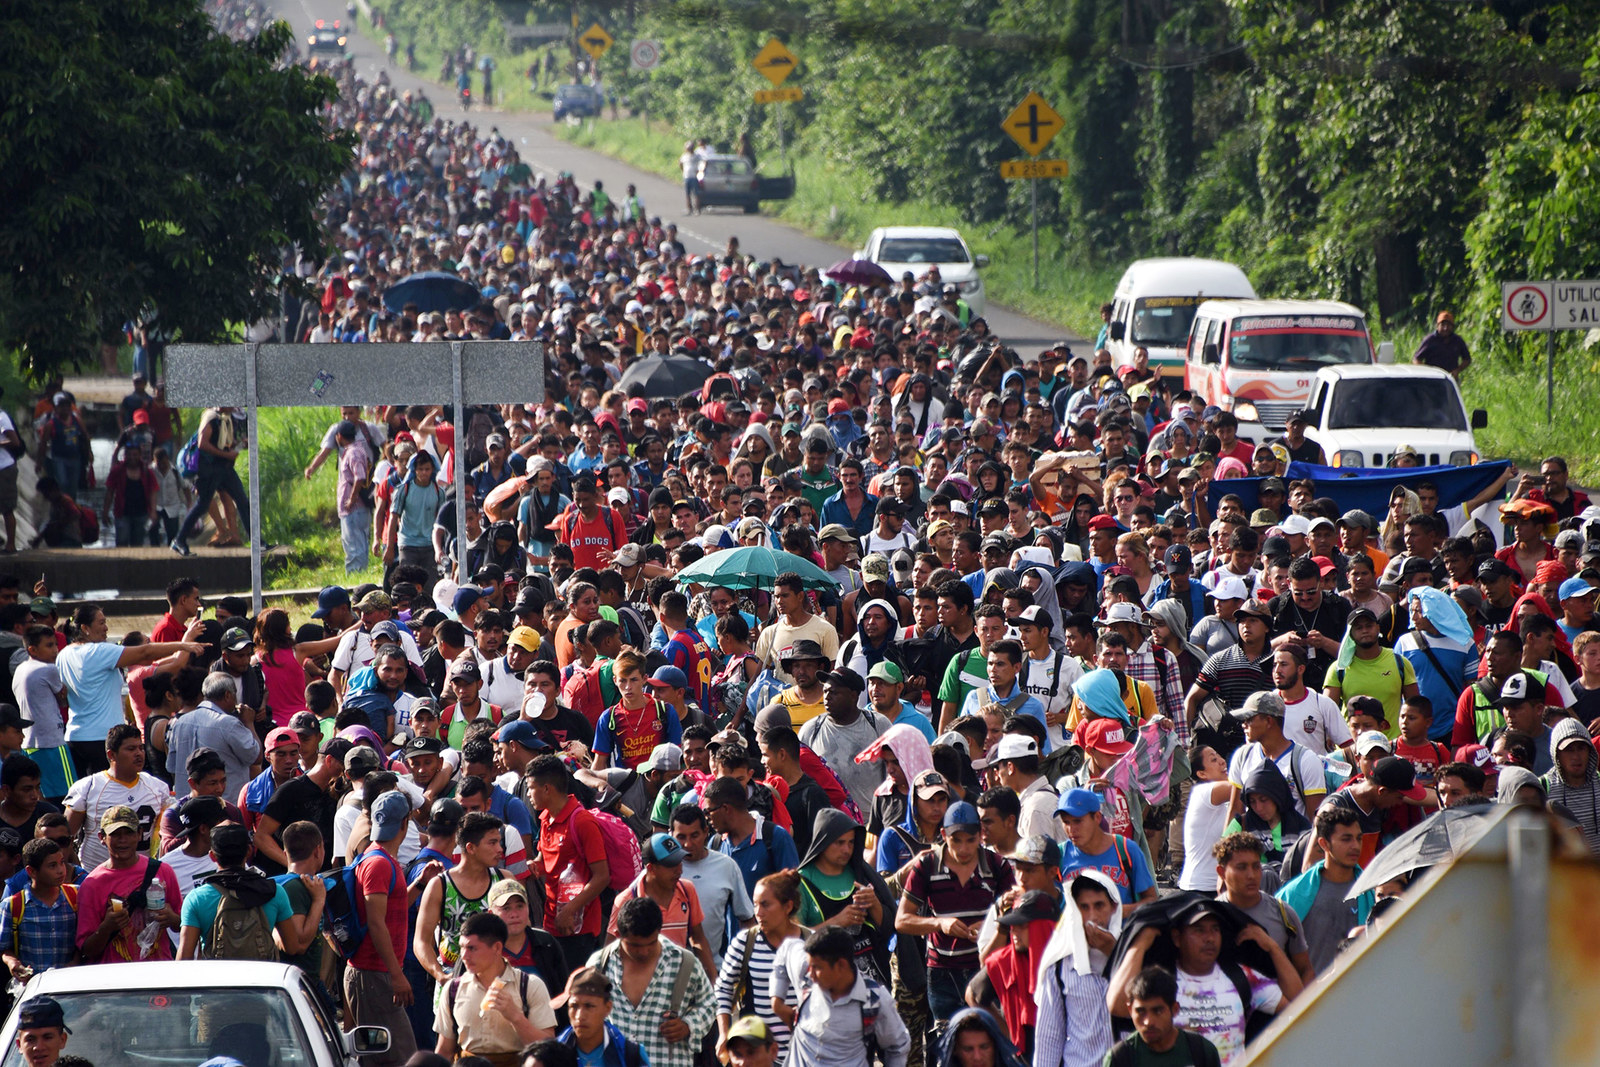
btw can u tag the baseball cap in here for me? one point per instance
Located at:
(10, 716)
(41, 606)
(1396, 773)
(387, 628)
(1035, 906)
(1201, 909)
(504, 890)
(1079, 802)
(1575, 587)
(618, 495)
(1493, 568)
(1104, 735)
(773, 717)
(1371, 739)
(466, 668)
(961, 816)
(1295, 524)
(664, 757)
(362, 760)
(1255, 609)
(1360, 615)
(525, 638)
(663, 849)
(1016, 746)
(1117, 613)
(1037, 849)
(41, 1013)
(196, 810)
(885, 671)
(1178, 559)
(930, 784)
(1480, 757)
(835, 532)
(304, 723)
(1366, 705)
(1264, 702)
(283, 737)
(420, 746)
(1271, 485)
(331, 597)
(1326, 566)
(376, 600)
(465, 597)
(1517, 690)
(629, 555)
(522, 732)
(236, 640)
(668, 677)
(1103, 522)
(1357, 517)
(120, 817)
(1263, 517)
(389, 815)
(1230, 587)
(1034, 615)
(750, 1028)
(875, 569)
(846, 677)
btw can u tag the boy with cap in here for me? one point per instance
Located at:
(282, 752)
(125, 898)
(1374, 670)
(491, 1009)
(1262, 716)
(751, 1043)
(465, 682)
(41, 1031)
(528, 948)
(1016, 764)
(375, 985)
(1391, 783)
(843, 731)
(233, 881)
(304, 797)
(682, 921)
(591, 1035)
(946, 891)
(1090, 846)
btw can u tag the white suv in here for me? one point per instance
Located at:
(1365, 413)
(898, 249)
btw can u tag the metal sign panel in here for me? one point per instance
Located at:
(1525, 306)
(774, 61)
(780, 96)
(1033, 168)
(492, 372)
(1033, 124)
(596, 41)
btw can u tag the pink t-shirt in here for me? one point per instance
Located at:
(286, 684)
(106, 883)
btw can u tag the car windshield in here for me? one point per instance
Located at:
(567, 92)
(922, 250)
(719, 167)
(1398, 402)
(181, 1027)
(1296, 342)
(1164, 320)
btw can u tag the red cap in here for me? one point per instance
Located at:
(141, 417)
(1103, 522)
(638, 404)
(862, 338)
(1325, 565)
(838, 406)
(1104, 735)
(1479, 757)
(282, 737)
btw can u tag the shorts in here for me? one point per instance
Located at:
(8, 490)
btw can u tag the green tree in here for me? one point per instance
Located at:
(149, 162)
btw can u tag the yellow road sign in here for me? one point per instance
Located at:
(596, 41)
(774, 61)
(1033, 168)
(1032, 124)
(779, 96)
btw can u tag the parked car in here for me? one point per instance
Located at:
(898, 249)
(1155, 304)
(578, 101)
(1364, 414)
(180, 1014)
(727, 181)
(327, 41)
(1260, 358)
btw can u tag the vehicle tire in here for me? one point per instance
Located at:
(752, 208)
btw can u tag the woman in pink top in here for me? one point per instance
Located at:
(282, 663)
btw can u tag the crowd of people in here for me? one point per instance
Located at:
(1024, 750)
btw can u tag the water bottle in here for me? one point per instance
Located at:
(155, 898)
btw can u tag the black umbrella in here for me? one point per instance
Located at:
(660, 376)
(432, 290)
(1439, 838)
(861, 272)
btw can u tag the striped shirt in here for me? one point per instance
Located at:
(933, 888)
(48, 934)
(763, 957)
(1164, 681)
(1074, 1028)
(1233, 676)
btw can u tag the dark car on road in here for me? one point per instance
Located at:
(578, 101)
(327, 41)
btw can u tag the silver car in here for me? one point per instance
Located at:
(727, 181)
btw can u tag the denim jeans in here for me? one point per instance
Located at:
(131, 530)
(355, 534)
(947, 991)
(215, 475)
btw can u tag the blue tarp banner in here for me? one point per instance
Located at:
(1368, 488)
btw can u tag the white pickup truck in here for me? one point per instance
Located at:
(181, 1014)
(1363, 413)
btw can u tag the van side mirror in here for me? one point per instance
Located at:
(980, 261)
(1118, 330)
(1386, 352)
(369, 1040)
(1480, 418)
(1209, 353)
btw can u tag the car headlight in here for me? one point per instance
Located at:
(1347, 458)
(1245, 411)
(1463, 459)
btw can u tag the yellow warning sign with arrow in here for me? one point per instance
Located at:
(596, 41)
(775, 62)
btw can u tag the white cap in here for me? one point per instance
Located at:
(1016, 746)
(1230, 587)
(1371, 739)
(617, 495)
(1296, 524)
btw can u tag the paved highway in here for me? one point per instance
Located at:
(546, 153)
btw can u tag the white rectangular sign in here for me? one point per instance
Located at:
(1551, 305)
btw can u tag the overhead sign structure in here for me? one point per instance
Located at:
(780, 96)
(1033, 168)
(1033, 124)
(1550, 306)
(249, 376)
(596, 41)
(644, 55)
(775, 62)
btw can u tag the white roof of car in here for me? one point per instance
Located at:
(186, 974)
(1183, 275)
(1383, 370)
(1230, 308)
(918, 231)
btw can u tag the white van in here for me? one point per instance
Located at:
(1259, 358)
(1155, 302)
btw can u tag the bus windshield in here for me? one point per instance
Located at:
(1164, 320)
(1298, 342)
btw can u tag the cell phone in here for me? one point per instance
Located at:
(1534, 479)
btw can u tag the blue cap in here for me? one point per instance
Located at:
(663, 849)
(1575, 587)
(1078, 802)
(334, 596)
(389, 815)
(466, 596)
(961, 816)
(668, 677)
(522, 732)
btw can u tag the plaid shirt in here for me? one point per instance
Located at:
(49, 934)
(1164, 682)
(642, 1022)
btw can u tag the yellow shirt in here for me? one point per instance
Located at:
(800, 712)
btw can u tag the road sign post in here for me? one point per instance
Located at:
(270, 375)
(1549, 306)
(775, 63)
(1033, 124)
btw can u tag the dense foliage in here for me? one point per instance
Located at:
(1397, 153)
(148, 165)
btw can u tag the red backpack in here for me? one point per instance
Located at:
(623, 859)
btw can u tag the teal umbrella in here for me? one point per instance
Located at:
(753, 567)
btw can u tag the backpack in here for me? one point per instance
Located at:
(188, 461)
(16, 903)
(346, 907)
(88, 524)
(239, 931)
(582, 693)
(623, 859)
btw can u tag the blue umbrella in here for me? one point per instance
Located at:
(432, 290)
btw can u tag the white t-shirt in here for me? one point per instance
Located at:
(355, 650)
(97, 794)
(1038, 678)
(1315, 723)
(501, 687)
(1203, 823)
(1306, 775)
(189, 869)
(7, 426)
(1209, 1005)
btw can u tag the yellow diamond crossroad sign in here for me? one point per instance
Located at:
(775, 62)
(1032, 124)
(1033, 168)
(596, 41)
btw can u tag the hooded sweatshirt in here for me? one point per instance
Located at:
(1582, 801)
(825, 896)
(1269, 781)
(1511, 779)
(1005, 1052)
